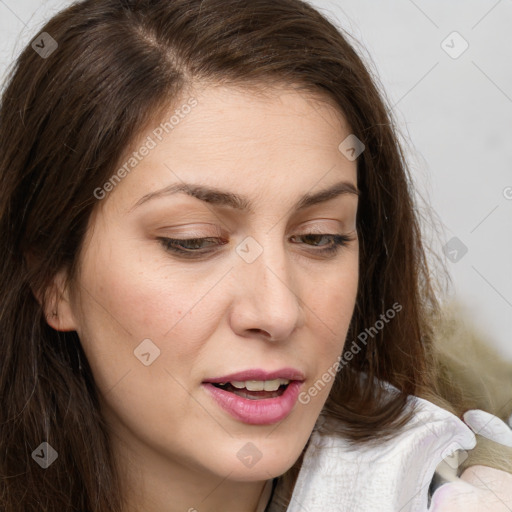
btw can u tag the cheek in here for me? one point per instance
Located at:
(137, 287)
(333, 305)
(142, 339)
(126, 301)
(331, 300)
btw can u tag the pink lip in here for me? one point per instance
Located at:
(258, 374)
(256, 412)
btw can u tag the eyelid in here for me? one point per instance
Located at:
(195, 230)
(211, 230)
(338, 241)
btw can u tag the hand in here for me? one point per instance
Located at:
(479, 489)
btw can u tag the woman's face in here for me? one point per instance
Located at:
(258, 294)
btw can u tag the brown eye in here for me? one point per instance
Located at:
(337, 241)
(188, 246)
(196, 247)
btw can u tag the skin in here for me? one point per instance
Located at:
(176, 449)
(480, 488)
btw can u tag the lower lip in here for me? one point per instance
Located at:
(263, 411)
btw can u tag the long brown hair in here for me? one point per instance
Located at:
(66, 120)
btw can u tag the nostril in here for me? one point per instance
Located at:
(260, 331)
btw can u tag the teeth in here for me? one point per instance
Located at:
(260, 385)
(273, 385)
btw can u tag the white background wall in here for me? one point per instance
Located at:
(455, 114)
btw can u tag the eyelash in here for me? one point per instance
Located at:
(338, 241)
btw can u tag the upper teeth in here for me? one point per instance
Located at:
(258, 385)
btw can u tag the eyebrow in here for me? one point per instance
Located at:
(218, 197)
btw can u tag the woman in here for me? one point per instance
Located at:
(212, 262)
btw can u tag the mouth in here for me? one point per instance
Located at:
(257, 397)
(255, 390)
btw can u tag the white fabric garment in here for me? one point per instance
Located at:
(393, 476)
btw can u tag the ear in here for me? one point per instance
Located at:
(58, 309)
(59, 312)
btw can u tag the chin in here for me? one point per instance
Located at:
(257, 460)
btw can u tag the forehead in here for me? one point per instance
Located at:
(233, 115)
(251, 140)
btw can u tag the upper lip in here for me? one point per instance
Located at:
(259, 374)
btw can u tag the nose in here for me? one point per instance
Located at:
(266, 295)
